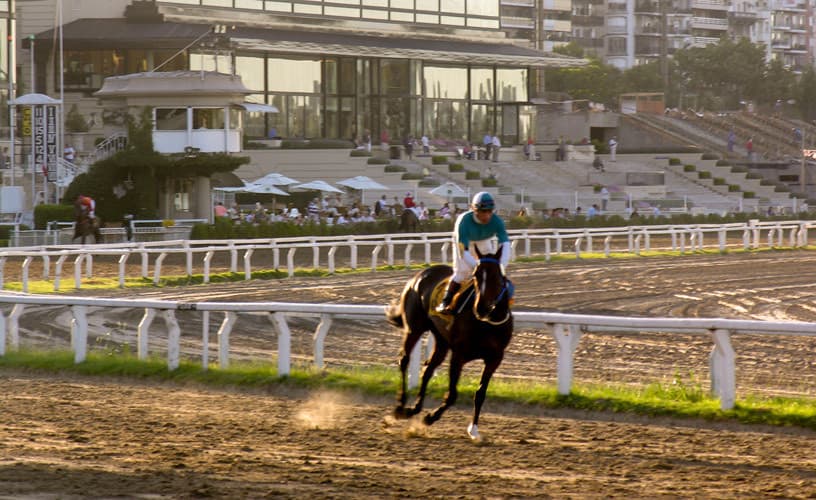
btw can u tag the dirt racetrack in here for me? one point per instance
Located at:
(67, 437)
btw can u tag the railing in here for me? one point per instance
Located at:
(555, 242)
(566, 329)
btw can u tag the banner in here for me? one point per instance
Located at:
(51, 142)
(39, 139)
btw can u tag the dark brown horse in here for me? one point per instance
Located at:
(86, 226)
(480, 328)
(409, 222)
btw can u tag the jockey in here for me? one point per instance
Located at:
(87, 205)
(475, 228)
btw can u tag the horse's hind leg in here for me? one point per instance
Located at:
(489, 369)
(456, 364)
(438, 356)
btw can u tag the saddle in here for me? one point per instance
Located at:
(463, 298)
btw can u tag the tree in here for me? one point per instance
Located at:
(806, 94)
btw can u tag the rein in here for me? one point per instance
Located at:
(499, 299)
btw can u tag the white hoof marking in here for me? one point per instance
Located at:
(473, 432)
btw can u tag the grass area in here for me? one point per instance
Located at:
(680, 398)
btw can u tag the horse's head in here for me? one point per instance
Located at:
(491, 288)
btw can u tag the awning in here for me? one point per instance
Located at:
(436, 49)
(254, 107)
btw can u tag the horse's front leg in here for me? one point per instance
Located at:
(489, 369)
(456, 365)
(438, 356)
(408, 344)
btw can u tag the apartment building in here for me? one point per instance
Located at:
(627, 33)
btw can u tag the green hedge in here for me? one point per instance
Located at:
(439, 160)
(723, 163)
(704, 174)
(733, 188)
(489, 183)
(674, 161)
(395, 168)
(317, 144)
(43, 214)
(473, 175)
(710, 156)
(412, 176)
(719, 181)
(359, 152)
(688, 168)
(426, 182)
(456, 167)
(378, 161)
(749, 194)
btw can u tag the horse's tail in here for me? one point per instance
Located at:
(393, 314)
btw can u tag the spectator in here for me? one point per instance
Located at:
(259, 216)
(613, 148)
(426, 144)
(445, 211)
(421, 211)
(384, 140)
(487, 142)
(561, 149)
(604, 198)
(597, 163)
(749, 147)
(220, 210)
(731, 140)
(593, 211)
(69, 153)
(408, 202)
(409, 147)
(496, 146)
(366, 141)
(396, 207)
(381, 207)
(313, 210)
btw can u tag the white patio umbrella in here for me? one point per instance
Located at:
(361, 182)
(317, 186)
(275, 179)
(449, 190)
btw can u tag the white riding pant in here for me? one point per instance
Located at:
(461, 268)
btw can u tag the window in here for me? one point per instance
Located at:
(171, 118)
(445, 82)
(208, 118)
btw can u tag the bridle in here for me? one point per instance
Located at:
(503, 296)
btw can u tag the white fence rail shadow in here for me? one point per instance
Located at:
(391, 249)
(566, 329)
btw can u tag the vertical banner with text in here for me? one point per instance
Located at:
(51, 142)
(39, 139)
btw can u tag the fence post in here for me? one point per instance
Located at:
(408, 249)
(122, 261)
(142, 335)
(14, 325)
(290, 261)
(223, 338)
(284, 342)
(207, 258)
(157, 268)
(2, 334)
(374, 254)
(578, 242)
(248, 263)
(567, 337)
(723, 369)
(205, 340)
(319, 337)
(332, 251)
(188, 256)
(173, 339)
(79, 332)
(78, 271)
(315, 253)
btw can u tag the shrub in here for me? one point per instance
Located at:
(378, 161)
(723, 163)
(75, 122)
(674, 161)
(456, 167)
(719, 181)
(704, 174)
(320, 144)
(43, 214)
(439, 160)
(395, 168)
(733, 188)
(426, 182)
(749, 194)
(753, 175)
(739, 169)
(354, 152)
(710, 156)
(689, 168)
(473, 175)
(412, 176)
(489, 182)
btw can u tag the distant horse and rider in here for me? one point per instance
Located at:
(86, 224)
(480, 328)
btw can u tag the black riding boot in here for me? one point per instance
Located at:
(445, 306)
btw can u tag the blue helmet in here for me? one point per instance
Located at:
(483, 201)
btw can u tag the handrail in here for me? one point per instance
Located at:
(566, 329)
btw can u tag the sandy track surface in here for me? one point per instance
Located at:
(65, 436)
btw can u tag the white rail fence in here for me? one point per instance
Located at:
(566, 329)
(634, 239)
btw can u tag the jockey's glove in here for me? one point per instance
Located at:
(507, 251)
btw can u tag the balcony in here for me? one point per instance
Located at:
(709, 23)
(517, 22)
(709, 5)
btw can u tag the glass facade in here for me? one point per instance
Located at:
(343, 97)
(87, 69)
(474, 13)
